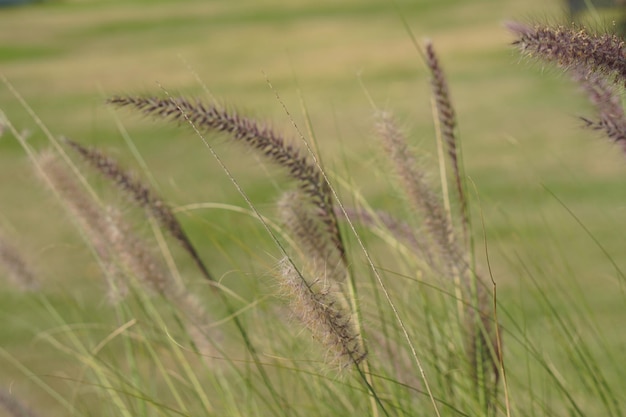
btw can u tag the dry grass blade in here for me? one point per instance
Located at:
(571, 47)
(142, 195)
(245, 130)
(448, 123)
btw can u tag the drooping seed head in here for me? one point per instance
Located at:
(254, 135)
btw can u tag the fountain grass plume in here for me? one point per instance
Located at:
(136, 256)
(597, 62)
(299, 219)
(449, 259)
(419, 192)
(573, 47)
(318, 308)
(142, 195)
(122, 253)
(90, 218)
(482, 347)
(448, 123)
(261, 138)
(112, 238)
(604, 96)
(151, 202)
(16, 266)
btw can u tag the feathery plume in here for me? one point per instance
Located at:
(18, 270)
(316, 306)
(245, 130)
(121, 251)
(115, 239)
(313, 240)
(154, 203)
(91, 218)
(423, 198)
(570, 47)
(136, 257)
(603, 96)
(142, 195)
(448, 123)
(420, 194)
(111, 237)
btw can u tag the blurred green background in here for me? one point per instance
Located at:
(325, 60)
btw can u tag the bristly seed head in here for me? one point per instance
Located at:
(112, 238)
(212, 118)
(420, 194)
(142, 195)
(604, 97)
(448, 124)
(571, 47)
(312, 239)
(316, 306)
(18, 270)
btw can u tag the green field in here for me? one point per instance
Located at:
(535, 177)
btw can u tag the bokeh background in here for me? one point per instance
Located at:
(322, 66)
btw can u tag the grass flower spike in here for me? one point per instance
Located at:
(249, 132)
(316, 306)
(303, 225)
(17, 268)
(142, 195)
(603, 95)
(571, 47)
(448, 123)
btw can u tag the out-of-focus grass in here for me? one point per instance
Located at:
(517, 125)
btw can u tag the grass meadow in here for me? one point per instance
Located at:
(546, 199)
